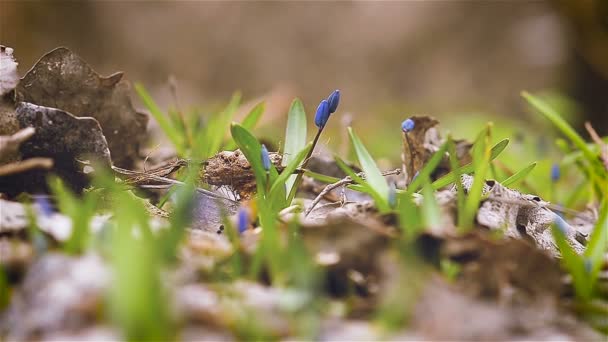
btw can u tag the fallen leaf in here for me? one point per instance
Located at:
(67, 140)
(62, 80)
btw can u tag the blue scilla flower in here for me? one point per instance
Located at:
(555, 172)
(408, 125)
(322, 114)
(265, 158)
(334, 101)
(242, 220)
(45, 207)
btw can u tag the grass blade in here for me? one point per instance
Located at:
(372, 174)
(519, 175)
(295, 135)
(289, 169)
(451, 177)
(249, 122)
(561, 124)
(165, 124)
(216, 128)
(481, 162)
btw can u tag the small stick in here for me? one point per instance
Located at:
(600, 143)
(342, 182)
(25, 165)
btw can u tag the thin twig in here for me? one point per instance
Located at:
(342, 182)
(25, 165)
(167, 182)
(600, 143)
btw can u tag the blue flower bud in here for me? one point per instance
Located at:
(334, 100)
(407, 125)
(555, 172)
(265, 158)
(322, 114)
(242, 220)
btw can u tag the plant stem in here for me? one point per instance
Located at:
(296, 184)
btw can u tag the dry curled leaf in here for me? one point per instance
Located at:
(422, 142)
(62, 80)
(62, 137)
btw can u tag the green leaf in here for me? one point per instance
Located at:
(431, 214)
(295, 135)
(451, 177)
(289, 169)
(372, 174)
(519, 175)
(166, 125)
(481, 162)
(363, 186)
(251, 148)
(217, 127)
(249, 122)
(598, 242)
(321, 177)
(410, 219)
(80, 211)
(573, 263)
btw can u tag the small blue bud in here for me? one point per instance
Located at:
(265, 158)
(45, 207)
(334, 100)
(322, 114)
(243, 220)
(407, 125)
(555, 172)
(392, 195)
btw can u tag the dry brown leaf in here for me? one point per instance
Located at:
(61, 79)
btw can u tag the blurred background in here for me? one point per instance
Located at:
(460, 61)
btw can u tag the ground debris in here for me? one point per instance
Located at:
(231, 168)
(8, 70)
(59, 294)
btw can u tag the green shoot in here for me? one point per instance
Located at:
(249, 122)
(372, 174)
(295, 136)
(481, 162)
(451, 177)
(519, 175)
(80, 211)
(165, 124)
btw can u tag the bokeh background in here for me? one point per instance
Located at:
(460, 61)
